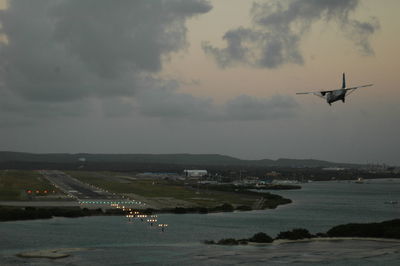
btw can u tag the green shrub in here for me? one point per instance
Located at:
(228, 241)
(387, 229)
(295, 234)
(261, 238)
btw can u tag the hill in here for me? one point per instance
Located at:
(173, 159)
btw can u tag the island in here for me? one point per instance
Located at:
(386, 230)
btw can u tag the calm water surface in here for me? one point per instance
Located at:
(317, 207)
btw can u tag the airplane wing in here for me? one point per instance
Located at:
(362, 86)
(306, 92)
(317, 93)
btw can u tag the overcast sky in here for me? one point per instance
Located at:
(197, 76)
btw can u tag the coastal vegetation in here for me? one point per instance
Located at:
(295, 234)
(257, 238)
(385, 229)
(30, 213)
(182, 194)
(246, 188)
(261, 238)
(159, 194)
(12, 213)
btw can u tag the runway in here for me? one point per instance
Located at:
(74, 187)
(88, 196)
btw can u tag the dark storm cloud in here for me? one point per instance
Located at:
(278, 29)
(117, 36)
(66, 50)
(14, 105)
(61, 54)
(16, 111)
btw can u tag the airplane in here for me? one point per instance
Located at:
(336, 95)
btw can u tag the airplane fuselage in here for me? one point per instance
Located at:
(335, 95)
(332, 96)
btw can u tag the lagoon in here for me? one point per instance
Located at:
(112, 240)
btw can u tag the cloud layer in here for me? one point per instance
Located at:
(166, 101)
(66, 50)
(279, 27)
(60, 54)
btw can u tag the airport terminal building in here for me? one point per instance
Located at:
(195, 173)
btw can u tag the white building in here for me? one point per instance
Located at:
(195, 173)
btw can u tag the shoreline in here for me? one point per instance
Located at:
(277, 242)
(385, 231)
(57, 253)
(10, 213)
(331, 239)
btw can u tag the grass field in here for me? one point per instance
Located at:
(149, 188)
(15, 183)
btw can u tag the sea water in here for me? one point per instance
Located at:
(113, 240)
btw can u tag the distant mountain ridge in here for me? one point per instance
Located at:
(177, 159)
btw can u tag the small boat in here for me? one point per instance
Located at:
(359, 180)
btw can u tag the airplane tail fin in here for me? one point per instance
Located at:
(344, 81)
